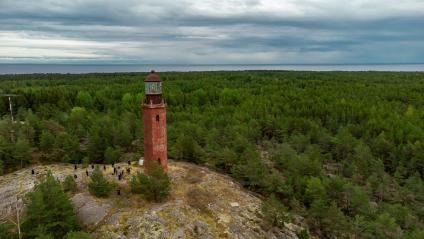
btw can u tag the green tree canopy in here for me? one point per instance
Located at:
(84, 99)
(49, 210)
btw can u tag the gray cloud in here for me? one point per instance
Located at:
(232, 31)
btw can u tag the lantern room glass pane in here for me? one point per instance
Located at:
(153, 87)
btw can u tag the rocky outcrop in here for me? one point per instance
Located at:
(22, 181)
(203, 204)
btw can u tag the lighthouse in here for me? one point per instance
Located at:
(154, 119)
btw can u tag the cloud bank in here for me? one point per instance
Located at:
(212, 31)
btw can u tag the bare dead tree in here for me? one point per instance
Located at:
(18, 207)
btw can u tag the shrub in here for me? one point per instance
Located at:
(154, 186)
(69, 185)
(99, 185)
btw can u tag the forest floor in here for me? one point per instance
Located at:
(202, 204)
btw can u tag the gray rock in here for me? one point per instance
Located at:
(114, 219)
(207, 236)
(201, 227)
(79, 200)
(232, 212)
(92, 213)
(179, 234)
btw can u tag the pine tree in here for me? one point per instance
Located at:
(386, 227)
(187, 148)
(315, 190)
(99, 185)
(78, 235)
(112, 155)
(122, 136)
(47, 140)
(49, 211)
(69, 185)
(22, 152)
(68, 143)
(154, 186)
(275, 213)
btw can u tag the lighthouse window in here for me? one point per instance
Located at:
(153, 87)
(157, 117)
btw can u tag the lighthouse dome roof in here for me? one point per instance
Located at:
(152, 76)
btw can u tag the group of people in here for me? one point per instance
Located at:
(116, 170)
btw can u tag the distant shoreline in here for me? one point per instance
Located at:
(8, 68)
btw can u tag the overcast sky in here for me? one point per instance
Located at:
(212, 31)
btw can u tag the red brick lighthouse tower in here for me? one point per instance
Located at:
(154, 116)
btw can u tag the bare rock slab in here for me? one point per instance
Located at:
(90, 211)
(203, 204)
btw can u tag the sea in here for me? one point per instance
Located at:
(111, 68)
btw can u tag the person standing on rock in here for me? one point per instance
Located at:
(86, 172)
(75, 167)
(104, 167)
(32, 172)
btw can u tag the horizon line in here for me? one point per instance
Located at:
(211, 64)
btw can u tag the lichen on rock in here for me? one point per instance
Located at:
(203, 204)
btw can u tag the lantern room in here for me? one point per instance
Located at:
(153, 84)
